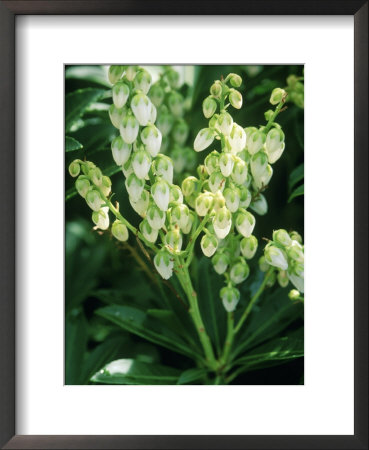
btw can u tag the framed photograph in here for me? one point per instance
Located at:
(163, 174)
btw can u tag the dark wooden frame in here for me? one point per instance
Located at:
(8, 12)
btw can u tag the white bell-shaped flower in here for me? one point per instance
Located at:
(173, 240)
(232, 199)
(129, 129)
(141, 107)
(239, 172)
(180, 132)
(248, 246)
(175, 195)
(141, 205)
(230, 297)
(282, 237)
(191, 220)
(141, 162)
(115, 73)
(220, 263)
(101, 218)
(245, 223)
(163, 167)
(121, 151)
(149, 233)
(93, 199)
(216, 182)
(160, 193)
(163, 262)
(262, 179)
(189, 185)
(204, 138)
(274, 145)
(119, 231)
(134, 186)
(204, 203)
(180, 215)
(224, 123)
(276, 257)
(82, 185)
(117, 115)
(142, 81)
(209, 245)
(155, 217)
(239, 272)
(152, 137)
(237, 139)
(260, 205)
(226, 164)
(259, 164)
(245, 197)
(120, 94)
(255, 142)
(212, 162)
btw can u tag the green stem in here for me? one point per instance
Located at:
(229, 338)
(191, 245)
(185, 281)
(253, 300)
(275, 114)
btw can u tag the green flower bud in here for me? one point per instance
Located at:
(259, 164)
(141, 204)
(275, 257)
(260, 205)
(105, 185)
(232, 199)
(120, 94)
(164, 264)
(224, 123)
(249, 131)
(237, 139)
(295, 251)
(115, 73)
(119, 231)
(101, 218)
(295, 236)
(120, 150)
(176, 104)
(277, 96)
(189, 185)
(245, 197)
(220, 263)
(274, 145)
(209, 106)
(149, 233)
(93, 199)
(74, 168)
(235, 99)
(141, 107)
(191, 220)
(218, 201)
(173, 78)
(245, 223)
(294, 294)
(163, 167)
(255, 142)
(271, 280)
(142, 81)
(178, 156)
(134, 186)
(141, 162)
(263, 265)
(230, 297)
(82, 185)
(129, 129)
(249, 246)
(282, 278)
(173, 239)
(209, 245)
(117, 115)
(235, 80)
(131, 72)
(222, 222)
(151, 137)
(175, 195)
(180, 215)
(216, 89)
(157, 95)
(216, 182)
(87, 166)
(212, 162)
(239, 272)
(204, 138)
(180, 132)
(155, 217)
(239, 172)
(95, 176)
(160, 193)
(282, 237)
(165, 122)
(268, 114)
(204, 203)
(226, 164)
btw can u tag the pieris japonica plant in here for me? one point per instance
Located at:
(213, 212)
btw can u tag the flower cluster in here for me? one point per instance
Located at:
(285, 253)
(295, 90)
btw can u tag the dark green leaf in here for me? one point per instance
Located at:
(130, 371)
(92, 74)
(191, 375)
(95, 135)
(295, 176)
(77, 102)
(76, 335)
(72, 144)
(296, 193)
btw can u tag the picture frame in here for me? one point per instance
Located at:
(8, 284)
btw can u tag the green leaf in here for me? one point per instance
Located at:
(91, 74)
(296, 193)
(191, 375)
(72, 144)
(295, 176)
(95, 134)
(77, 102)
(131, 371)
(138, 322)
(76, 335)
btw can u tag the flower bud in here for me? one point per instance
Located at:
(263, 180)
(212, 162)
(117, 115)
(160, 193)
(216, 182)
(95, 176)
(134, 186)
(282, 278)
(173, 78)
(255, 142)
(105, 185)
(295, 252)
(239, 172)
(165, 122)
(218, 201)
(245, 197)
(149, 233)
(141, 107)
(235, 80)
(235, 98)
(239, 272)
(258, 164)
(127, 168)
(74, 168)
(131, 72)
(209, 245)
(282, 237)
(220, 263)
(224, 123)
(189, 185)
(295, 236)
(101, 218)
(155, 217)
(142, 81)
(176, 103)
(222, 222)
(209, 106)
(294, 294)
(216, 89)
(180, 215)
(277, 96)
(175, 195)
(141, 205)
(245, 223)
(141, 162)
(204, 203)
(271, 280)
(248, 246)
(120, 150)
(237, 139)
(157, 95)
(129, 129)
(230, 297)
(191, 220)
(249, 131)
(153, 113)
(226, 164)
(115, 73)
(120, 94)
(180, 132)
(268, 114)
(204, 138)
(274, 145)
(119, 231)
(82, 185)
(275, 257)
(263, 265)
(232, 199)
(173, 239)
(163, 167)
(151, 137)
(93, 199)
(297, 281)
(164, 264)
(260, 205)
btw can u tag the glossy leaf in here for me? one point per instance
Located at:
(76, 335)
(77, 102)
(191, 375)
(295, 176)
(296, 193)
(72, 144)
